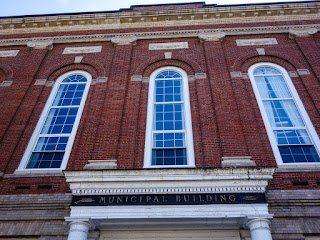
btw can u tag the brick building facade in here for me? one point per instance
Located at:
(162, 122)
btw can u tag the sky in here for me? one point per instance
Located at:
(35, 7)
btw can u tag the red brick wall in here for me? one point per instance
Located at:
(225, 116)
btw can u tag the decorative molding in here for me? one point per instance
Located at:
(162, 18)
(6, 83)
(40, 82)
(77, 50)
(296, 32)
(191, 78)
(293, 74)
(40, 44)
(49, 83)
(170, 45)
(9, 53)
(124, 40)
(168, 55)
(241, 161)
(211, 36)
(169, 181)
(101, 164)
(302, 72)
(261, 51)
(78, 59)
(200, 75)
(256, 41)
(145, 79)
(236, 74)
(245, 76)
(157, 35)
(136, 78)
(99, 80)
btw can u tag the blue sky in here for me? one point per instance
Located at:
(30, 7)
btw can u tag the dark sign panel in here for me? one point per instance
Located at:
(169, 199)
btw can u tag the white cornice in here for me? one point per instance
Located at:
(161, 18)
(159, 34)
(169, 181)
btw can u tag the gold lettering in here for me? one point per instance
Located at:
(155, 199)
(178, 198)
(119, 199)
(186, 198)
(148, 198)
(133, 199)
(164, 199)
(201, 199)
(140, 199)
(194, 198)
(209, 198)
(223, 198)
(111, 199)
(126, 199)
(232, 198)
(215, 198)
(102, 200)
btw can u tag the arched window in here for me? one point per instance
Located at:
(291, 133)
(169, 141)
(51, 142)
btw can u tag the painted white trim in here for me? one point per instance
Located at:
(188, 123)
(34, 137)
(304, 115)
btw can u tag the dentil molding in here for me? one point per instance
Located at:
(131, 38)
(168, 181)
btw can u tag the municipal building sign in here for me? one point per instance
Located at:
(169, 199)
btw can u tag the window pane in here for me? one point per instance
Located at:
(292, 154)
(169, 157)
(292, 137)
(45, 160)
(51, 143)
(59, 120)
(283, 113)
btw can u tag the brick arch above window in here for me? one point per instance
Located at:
(147, 67)
(246, 59)
(53, 73)
(6, 72)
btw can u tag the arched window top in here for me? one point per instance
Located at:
(169, 141)
(52, 140)
(266, 70)
(168, 75)
(75, 78)
(290, 131)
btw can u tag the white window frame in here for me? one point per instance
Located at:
(43, 116)
(304, 115)
(188, 121)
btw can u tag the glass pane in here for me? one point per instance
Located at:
(169, 140)
(75, 78)
(51, 143)
(168, 74)
(45, 160)
(59, 120)
(273, 87)
(283, 113)
(296, 137)
(295, 154)
(266, 71)
(69, 95)
(169, 157)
